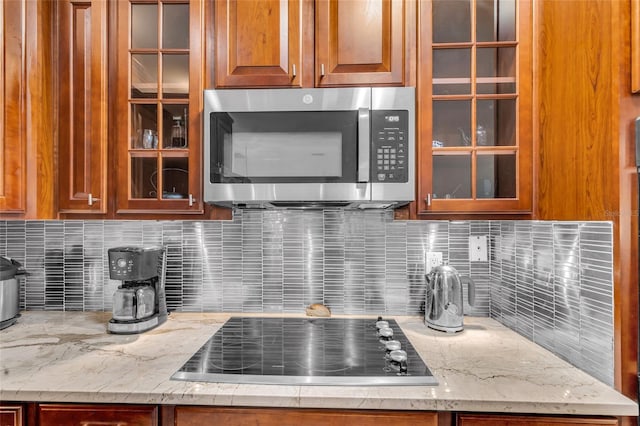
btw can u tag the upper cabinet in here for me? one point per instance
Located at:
(475, 137)
(158, 107)
(296, 43)
(360, 42)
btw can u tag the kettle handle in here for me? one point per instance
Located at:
(471, 290)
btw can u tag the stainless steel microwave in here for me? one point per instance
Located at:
(347, 147)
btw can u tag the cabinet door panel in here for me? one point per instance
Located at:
(83, 106)
(359, 42)
(97, 415)
(11, 415)
(260, 42)
(12, 140)
(197, 416)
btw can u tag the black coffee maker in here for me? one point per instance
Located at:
(139, 303)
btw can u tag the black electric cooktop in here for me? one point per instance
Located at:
(306, 351)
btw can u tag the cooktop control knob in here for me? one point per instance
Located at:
(382, 324)
(398, 360)
(392, 345)
(385, 333)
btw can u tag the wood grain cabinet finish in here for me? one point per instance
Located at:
(360, 42)
(296, 43)
(495, 420)
(198, 416)
(82, 119)
(96, 415)
(12, 140)
(263, 43)
(27, 175)
(11, 415)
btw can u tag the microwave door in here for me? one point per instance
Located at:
(289, 156)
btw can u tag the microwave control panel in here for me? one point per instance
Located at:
(389, 133)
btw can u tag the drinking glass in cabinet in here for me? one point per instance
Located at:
(143, 117)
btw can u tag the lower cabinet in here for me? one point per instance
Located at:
(199, 416)
(96, 415)
(499, 420)
(11, 415)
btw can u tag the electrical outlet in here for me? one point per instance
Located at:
(431, 260)
(478, 248)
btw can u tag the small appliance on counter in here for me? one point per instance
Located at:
(444, 302)
(139, 303)
(9, 291)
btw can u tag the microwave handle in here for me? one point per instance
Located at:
(364, 144)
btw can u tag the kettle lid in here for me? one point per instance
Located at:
(444, 268)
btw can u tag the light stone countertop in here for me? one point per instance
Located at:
(69, 357)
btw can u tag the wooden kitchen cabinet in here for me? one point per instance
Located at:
(12, 415)
(499, 420)
(27, 173)
(83, 104)
(157, 118)
(97, 415)
(263, 43)
(475, 121)
(271, 43)
(197, 416)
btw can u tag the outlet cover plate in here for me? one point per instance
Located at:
(431, 260)
(478, 248)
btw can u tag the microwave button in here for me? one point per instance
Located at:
(393, 162)
(393, 150)
(381, 176)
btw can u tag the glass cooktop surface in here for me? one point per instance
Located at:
(307, 351)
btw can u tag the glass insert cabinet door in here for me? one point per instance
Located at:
(478, 153)
(162, 130)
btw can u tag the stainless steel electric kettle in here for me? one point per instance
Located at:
(444, 304)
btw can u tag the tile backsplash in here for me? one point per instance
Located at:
(549, 281)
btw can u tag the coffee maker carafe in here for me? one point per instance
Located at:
(444, 302)
(139, 303)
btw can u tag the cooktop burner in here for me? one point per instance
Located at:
(308, 351)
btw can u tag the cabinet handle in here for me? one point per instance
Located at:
(321, 70)
(428, 200)
(191, 200)
(91, 200)
(293, 72)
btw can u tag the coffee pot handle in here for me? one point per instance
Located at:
(471, 290)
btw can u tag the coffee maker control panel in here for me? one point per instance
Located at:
(133, 263)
